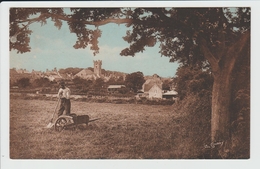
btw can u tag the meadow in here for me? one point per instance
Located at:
(124, 131)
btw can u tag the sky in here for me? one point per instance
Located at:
(52, 48)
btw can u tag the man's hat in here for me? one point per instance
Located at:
(62, 83)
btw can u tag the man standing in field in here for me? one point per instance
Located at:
(64, 96)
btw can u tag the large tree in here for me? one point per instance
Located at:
(207, 37)
(192, 80)
(134, 81)
(23, 82)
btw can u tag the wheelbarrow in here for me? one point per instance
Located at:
(71, 121)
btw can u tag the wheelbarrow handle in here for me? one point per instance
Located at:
(55, 109)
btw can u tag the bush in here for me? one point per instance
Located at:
(23, 82)
(240, 108)
(196, 123)
(195, 111)
(240, 125)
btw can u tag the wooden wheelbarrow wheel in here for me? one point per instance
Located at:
(60, 124)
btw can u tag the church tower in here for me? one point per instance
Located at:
(97, 67)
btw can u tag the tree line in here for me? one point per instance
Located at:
(132, 82)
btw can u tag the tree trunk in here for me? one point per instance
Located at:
(220, 111)
(222, 64)
(220, 119)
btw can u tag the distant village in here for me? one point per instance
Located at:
(152, 88)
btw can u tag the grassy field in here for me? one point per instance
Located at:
(125, 131)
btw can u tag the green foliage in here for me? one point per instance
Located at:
(123, 90)
(99, 83)
(195, 89)
(178, 30)
(240, 107)
(23, 82)
(192, 80)
(78, 81)
(120, 81)
(134, 81)
(167, 84)
(116, 81)
(82, 85)
(88, 36)
(41, 82)
(195, 122)
(111, 81)
(19, 22)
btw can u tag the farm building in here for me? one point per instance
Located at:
(55, 78)
(152, 87)
(155, 92)
(53, 75)
(114, 88)
(170, 95)
(86, 74)
(37, 74)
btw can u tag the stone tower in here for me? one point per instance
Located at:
(97, 67)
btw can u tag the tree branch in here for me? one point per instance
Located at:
(239, 46)
(221, 34)
(221, 43)
(70, 19)
(170, 20)
(208, 55)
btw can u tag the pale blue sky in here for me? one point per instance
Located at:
(54, 48)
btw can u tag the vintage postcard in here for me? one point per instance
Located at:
(126, 84)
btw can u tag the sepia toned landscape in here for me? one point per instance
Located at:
(124, 131)
(128, 99)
